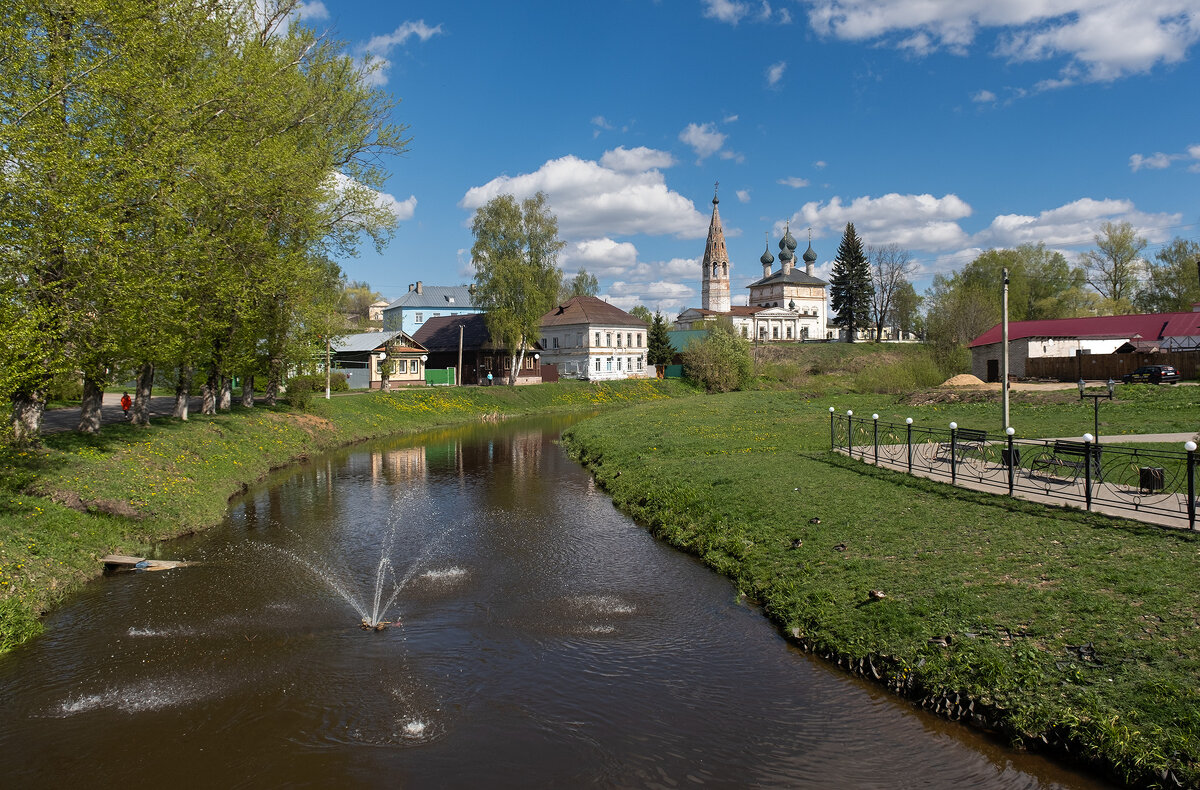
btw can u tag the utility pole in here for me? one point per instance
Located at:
(1004, 343)
(458, 370)
(327, 342)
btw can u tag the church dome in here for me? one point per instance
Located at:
(809, 255)
(767, 258)
(789, 241)
(785, 255)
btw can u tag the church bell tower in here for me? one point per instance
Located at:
(714, 294)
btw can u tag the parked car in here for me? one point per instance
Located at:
(1153, 374)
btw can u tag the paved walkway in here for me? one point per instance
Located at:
(1170, 511)
(57, 420)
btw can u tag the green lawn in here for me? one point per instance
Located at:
(1060, 625)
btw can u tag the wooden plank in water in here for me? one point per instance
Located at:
(125, 562)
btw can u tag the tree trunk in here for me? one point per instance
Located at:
(274, 375)
(28, 408)
(140, 413)
(226, 400)
(248, 390)
(183, 392)
(518, 360)
(208, 392)
(93, 399)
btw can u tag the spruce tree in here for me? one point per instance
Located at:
(850, 286)
(658, 342)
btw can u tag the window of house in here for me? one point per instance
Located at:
(597, 364)
(789, 333)
(402, 366)
(608, 364)
(436, 315)
(487, 363)
(579, 339)
(639, 334)
(639, 361)
(744, 332)
(618, 364)
(629, 339)
(556, 342)
(420, 317)
(618, 339)
(597, 342)
(507, 362)
(529, 363)
(762, 332)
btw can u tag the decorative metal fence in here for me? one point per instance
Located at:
(1161, 482)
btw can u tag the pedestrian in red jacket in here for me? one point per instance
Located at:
(125, 404)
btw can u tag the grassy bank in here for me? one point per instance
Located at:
(79, 497)
(1054, 627)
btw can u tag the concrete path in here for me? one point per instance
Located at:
(57, 420)
(1168, 510)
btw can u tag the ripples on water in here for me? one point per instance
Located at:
(542, 640)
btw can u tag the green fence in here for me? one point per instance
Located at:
(673, 372)
(439, 378)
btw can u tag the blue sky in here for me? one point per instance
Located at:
(946, 126)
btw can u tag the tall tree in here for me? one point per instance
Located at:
(582, 284)
(642, 312)
(850, 286)
(658, 341)
(517, 278)
(1173, 279)
(905, 310)
(891, 266)
(1115, 266)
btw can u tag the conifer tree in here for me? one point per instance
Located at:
(850, 286)
(658, 342)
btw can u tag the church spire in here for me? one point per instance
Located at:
(714, 291)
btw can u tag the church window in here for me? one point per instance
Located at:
(724, 269)
(762, 332)
(789, 332)
(774, 333)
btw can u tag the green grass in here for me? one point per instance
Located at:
(78, 497)
(1017, 588)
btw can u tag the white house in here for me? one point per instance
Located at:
(589, 338)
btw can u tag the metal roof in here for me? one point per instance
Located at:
(456, 297)
(369, 341)
(1145, 327)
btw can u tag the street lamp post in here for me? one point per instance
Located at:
(1096, 398)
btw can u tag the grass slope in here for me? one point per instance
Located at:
(79, 497)
(1055, 627)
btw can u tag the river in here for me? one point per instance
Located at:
(543, 640)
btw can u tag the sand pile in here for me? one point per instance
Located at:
(963, 380)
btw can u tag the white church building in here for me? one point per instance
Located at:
(784, 305)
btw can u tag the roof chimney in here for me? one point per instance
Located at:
(418, 286)
(410, 287)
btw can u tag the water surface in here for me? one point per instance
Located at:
(544, 640)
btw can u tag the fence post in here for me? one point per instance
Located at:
(1087, 468)
(832, 441)
(875, 423)
(850, 432)
(908, 422)
(953, 453)
(1010, 431)
(1191, 475)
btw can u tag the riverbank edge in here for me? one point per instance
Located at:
(71, 532)
(889, 672)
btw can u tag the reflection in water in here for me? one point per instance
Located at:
(544, 640)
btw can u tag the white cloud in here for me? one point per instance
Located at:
(402, 209)
(1156, 161)
(729, 119)
(920, 222)
(795, 182)
(727, 11)
(313, 10)
(743, 195)
(775, 73)
(820, 164)
(592, 201)
(984, 97)
(602, 257)
(1072, 225)
(637, 159)
(374, 54)
(1101, 40)
(704, 139)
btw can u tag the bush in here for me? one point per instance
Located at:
(65, 391)
(299, 392)
(316, 382)
(721, 361)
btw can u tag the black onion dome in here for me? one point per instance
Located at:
(809, 255)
